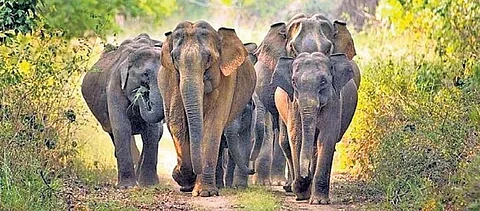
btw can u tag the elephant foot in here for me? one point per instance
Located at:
(302, 187)
(204, 190)
(185, 178)
(127, 183)
(148, 179)
(316, 200)
(287, 188)
(186, 188)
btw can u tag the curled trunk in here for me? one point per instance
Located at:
(152, 110)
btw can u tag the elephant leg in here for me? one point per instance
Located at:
(220, 167)
(284, 144)
(321, 181)
(262, 176)
(183, 172)
(259, 128)
(205, 183)
(113, 142)
(229, 175)
(151, 135)
(135, 153)
(277, 168)
(240, 179)
(126, 170)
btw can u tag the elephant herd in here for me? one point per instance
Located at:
(298, 87)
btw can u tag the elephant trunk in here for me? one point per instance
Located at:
(152, 111)
(192, 91)
(309, 119)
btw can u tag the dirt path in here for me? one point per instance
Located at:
(345, 195)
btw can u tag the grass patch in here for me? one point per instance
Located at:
(254, 198)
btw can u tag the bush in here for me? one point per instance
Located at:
(38, 77)
(415, 132)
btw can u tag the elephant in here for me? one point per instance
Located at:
(302, 33)
(122, 92)
(239, 130)
(267, 121)
(205, 80)
(312, 89)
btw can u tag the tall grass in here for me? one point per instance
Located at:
(414, 136)
(38, 76)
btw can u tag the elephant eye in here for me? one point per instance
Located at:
(145, 75)
(323, 82)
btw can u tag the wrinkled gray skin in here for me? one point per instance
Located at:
(123, 95)
(318, 89)
(237, 134)
(302, 33)
(266, 158)
(240, 130)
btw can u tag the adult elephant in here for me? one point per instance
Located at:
(206, 80)
(237, 133)
(302, 33)
(315, 91)
(122, 92)
(270, 165)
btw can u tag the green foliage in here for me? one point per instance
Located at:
(79, 18)
(415, 134)
(19, 16)
(38, 73)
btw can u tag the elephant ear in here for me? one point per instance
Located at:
(282, 76)
(166, 57)
(251, 47)
(343, 42)
(342, 70)
(233, 53)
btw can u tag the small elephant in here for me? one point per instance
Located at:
(312, 92)
(206, 80)
(122, 92)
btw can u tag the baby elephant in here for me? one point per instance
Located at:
(122, 92)
(316, 98)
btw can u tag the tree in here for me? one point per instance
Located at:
(18, 15)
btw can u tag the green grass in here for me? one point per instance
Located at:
(22, 186)
(253, 198)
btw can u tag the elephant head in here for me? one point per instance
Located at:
(311, 81)
(138, 75)
(202, 57)
(304, 33)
